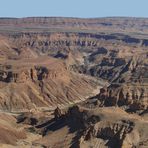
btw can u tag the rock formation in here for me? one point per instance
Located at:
(94, 70)
(41, 82)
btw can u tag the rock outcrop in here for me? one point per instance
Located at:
(41, 82)
(132, 97)
(98, 65)
(97, 127)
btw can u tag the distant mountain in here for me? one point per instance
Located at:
(111, 24)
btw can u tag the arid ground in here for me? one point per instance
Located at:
(73, 83)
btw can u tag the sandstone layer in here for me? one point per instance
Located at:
(93, 72)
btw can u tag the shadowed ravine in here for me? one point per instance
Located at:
(74, 83)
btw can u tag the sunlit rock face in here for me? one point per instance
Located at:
(79, 82)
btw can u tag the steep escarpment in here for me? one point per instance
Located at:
(97, 127)
(129, 87)
(120, 24)
(93, 71)
(42, 82)
(132, 97)
(101, 55)
(117, 58)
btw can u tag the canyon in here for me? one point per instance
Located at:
(82, 80)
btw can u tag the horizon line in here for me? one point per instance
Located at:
(136, 17)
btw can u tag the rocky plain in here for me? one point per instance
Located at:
(73, 83)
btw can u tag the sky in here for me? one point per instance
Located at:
(74, 8)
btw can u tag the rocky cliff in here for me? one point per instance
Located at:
(80, 126)
(117, 58)
(41, 82)
(100, 65)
